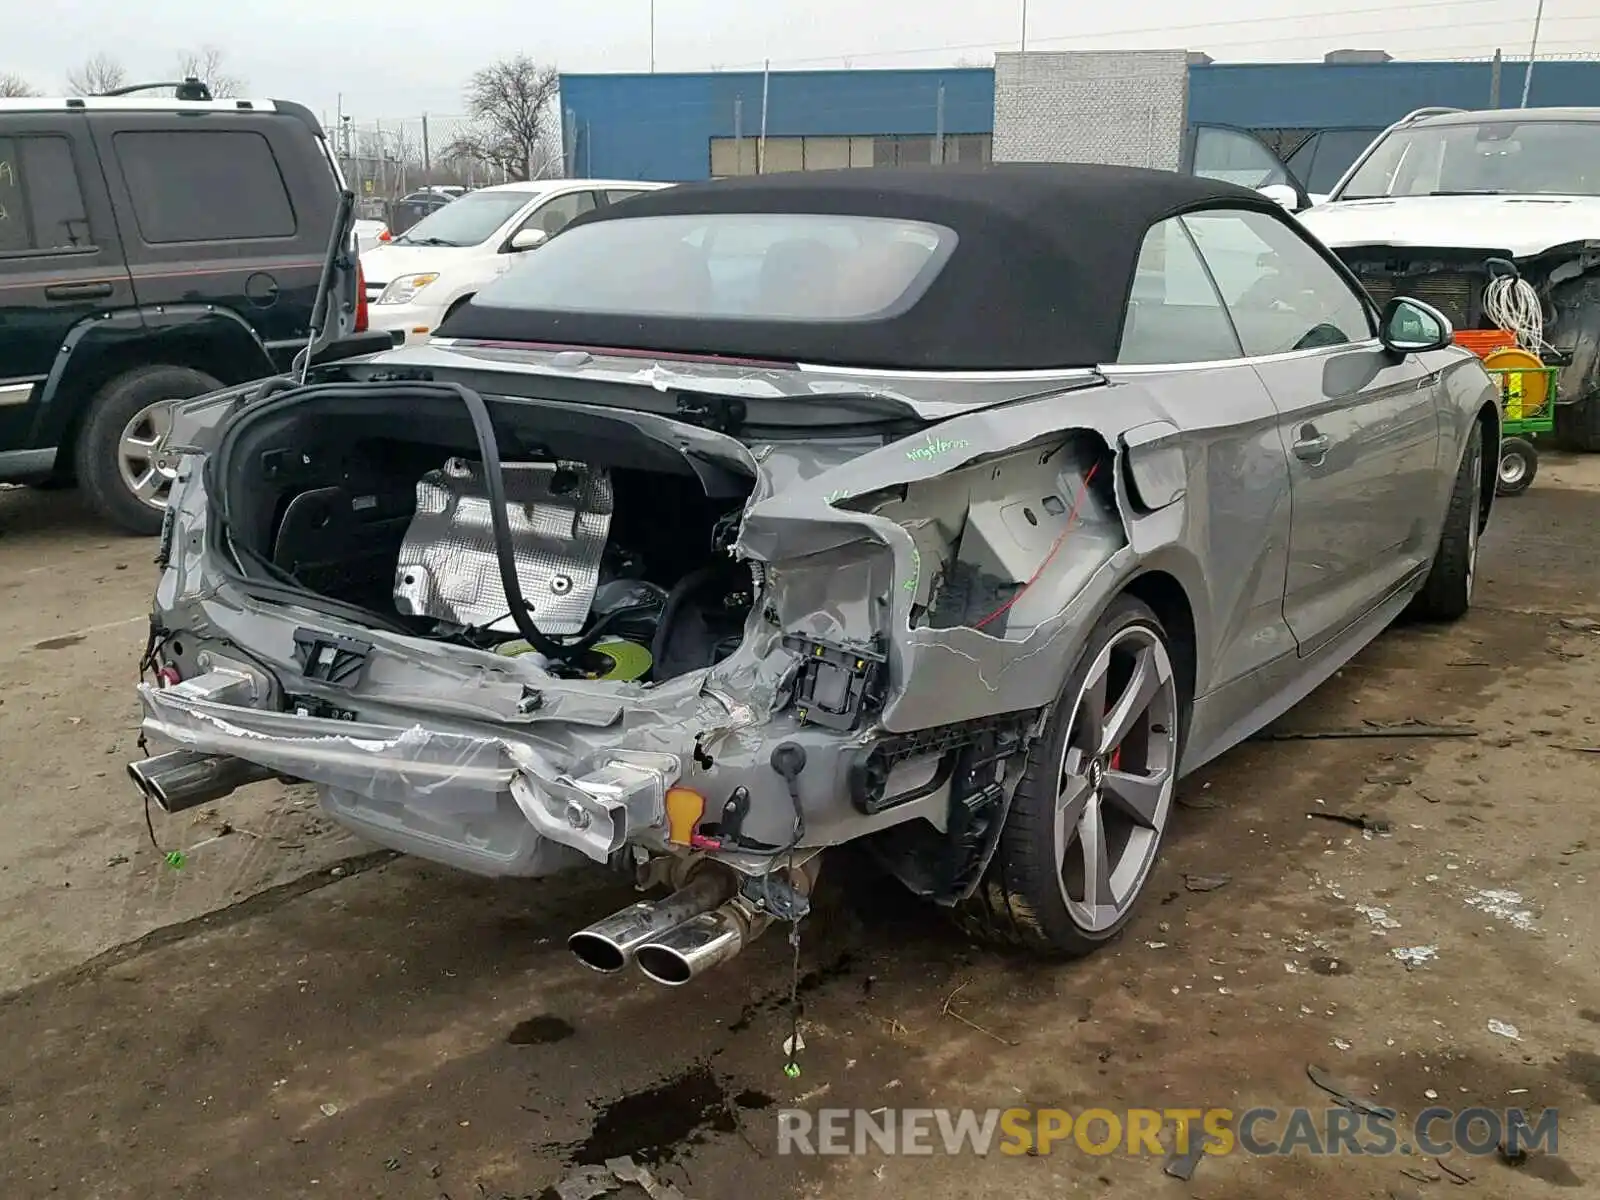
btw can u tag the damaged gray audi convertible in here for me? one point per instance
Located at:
(954, 513)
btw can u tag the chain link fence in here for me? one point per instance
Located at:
(386, 159)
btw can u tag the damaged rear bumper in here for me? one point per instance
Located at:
(491, 805)
(493, 800)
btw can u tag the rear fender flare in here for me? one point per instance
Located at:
(114, 330)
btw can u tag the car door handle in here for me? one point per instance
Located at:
(78, 291)
(1311, 446)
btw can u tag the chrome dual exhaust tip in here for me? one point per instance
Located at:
(611, 944)
(184, 779)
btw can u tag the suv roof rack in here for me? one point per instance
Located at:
(190, 88)
(1434, 111)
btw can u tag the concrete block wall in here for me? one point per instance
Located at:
(1124, 108)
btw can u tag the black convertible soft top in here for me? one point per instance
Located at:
(1039, 277)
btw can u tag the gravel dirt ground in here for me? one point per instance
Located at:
(294, 1015)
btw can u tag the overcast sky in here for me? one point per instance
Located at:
(398, 58)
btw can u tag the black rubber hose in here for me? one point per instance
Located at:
(495, 485)
(680, 593)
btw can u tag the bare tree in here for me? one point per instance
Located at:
(97, 76)
(514, 122)
(15, 85)
(206, 65)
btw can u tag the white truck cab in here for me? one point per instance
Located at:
(1444, 198)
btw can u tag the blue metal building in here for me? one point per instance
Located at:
(678, 127)
(669, 127)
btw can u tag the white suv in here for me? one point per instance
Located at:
(442, 260)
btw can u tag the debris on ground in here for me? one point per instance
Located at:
(1206, 883)
(1504, 905)
(586, 1183)
(947, 1011)
(1379, 917)
(1371, 729)
(1415, 956)
(1323, 1080)
(1357, 821)
(1181, 1165)
(1505, 1029)
(1457, 1174)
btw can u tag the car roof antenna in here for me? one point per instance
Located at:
(191, 88)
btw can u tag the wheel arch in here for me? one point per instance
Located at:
(1488, 419)
(214, 340)
(1169, 600)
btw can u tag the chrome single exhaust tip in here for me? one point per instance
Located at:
(609, 945)
(691, 949)
(184, 779)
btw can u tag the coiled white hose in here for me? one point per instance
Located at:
(1513, 305)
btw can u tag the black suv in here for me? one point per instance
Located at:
(150, 250)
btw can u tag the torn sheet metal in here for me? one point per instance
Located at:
(370, 760)
(858, 550)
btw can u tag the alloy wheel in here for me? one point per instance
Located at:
(147, 470)
(1115, 783)
(1513, 468)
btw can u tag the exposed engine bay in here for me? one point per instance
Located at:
(623, 570)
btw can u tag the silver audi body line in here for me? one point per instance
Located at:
(952, 512)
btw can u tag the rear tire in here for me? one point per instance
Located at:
(1447, 594)
(119, 466)
(1519, 463)
(1086, 822)
(1578, 424)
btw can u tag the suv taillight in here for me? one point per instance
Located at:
(361, 299)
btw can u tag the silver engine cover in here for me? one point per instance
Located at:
(448, 568)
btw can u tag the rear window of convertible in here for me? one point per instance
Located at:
(731, 266)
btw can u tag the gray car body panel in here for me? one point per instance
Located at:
(447, 761)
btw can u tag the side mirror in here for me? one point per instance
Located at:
(1412, 327)
(1282, 193)
(528, 239)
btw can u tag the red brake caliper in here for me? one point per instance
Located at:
(1116, 759)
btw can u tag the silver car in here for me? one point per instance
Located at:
(956, 513)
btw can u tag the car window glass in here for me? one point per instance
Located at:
(204, 185)
(1235, 157)
(1336, 150)
(731, 266)
(41, 203)
(557, 214)
(1174, 314)
(619, 197)
(469, 221)
(1281, 294)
